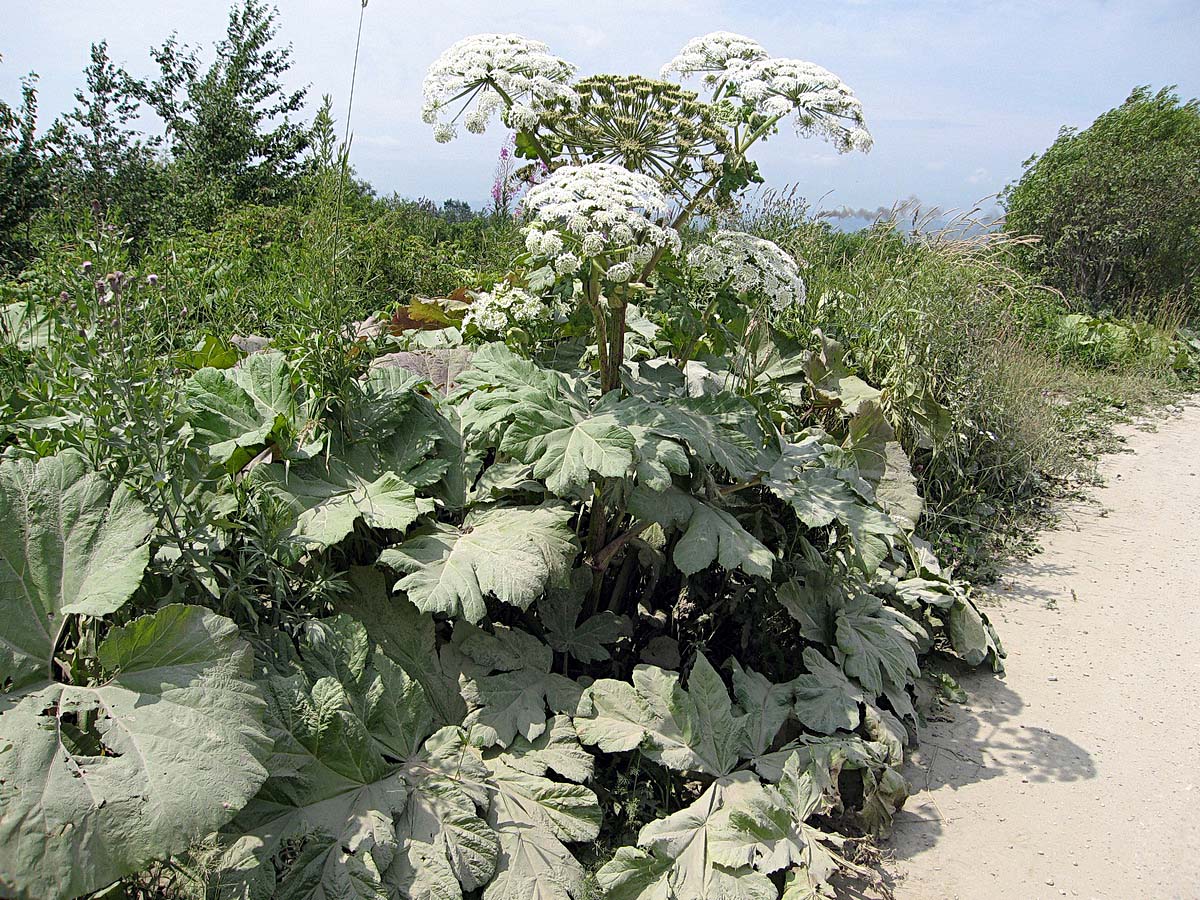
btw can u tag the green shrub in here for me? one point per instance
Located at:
(1116, 205)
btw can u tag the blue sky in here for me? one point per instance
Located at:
(957, 92)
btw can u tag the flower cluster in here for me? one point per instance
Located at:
(598, 211)
(749, 265)
(654, 127)
(492, 73)
(713, 54)
(773, 87)
(494, 312)
(824, 105)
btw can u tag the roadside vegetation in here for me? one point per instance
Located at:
(609, 542)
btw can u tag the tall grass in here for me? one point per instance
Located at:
(966, 347)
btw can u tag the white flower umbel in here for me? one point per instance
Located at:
(494, 312)
(490, 73)
(739, 68)
(598, 211)
(712, 55)
(823, 104)
(749, 265)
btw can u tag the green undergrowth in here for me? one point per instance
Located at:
(469, 566)
(1000, 392)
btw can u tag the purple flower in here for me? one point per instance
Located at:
(152, 280)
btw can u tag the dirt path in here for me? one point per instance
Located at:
(1078, 774)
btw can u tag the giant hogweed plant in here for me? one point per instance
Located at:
(534, 581)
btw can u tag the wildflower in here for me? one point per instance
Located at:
(601, 209)
(653, 127)
(86, 268)
(775, 87)
(823, 104)
(152, 280)
(566, 264)
(494, 72)
(714, 54)
(495, 311)
(749, 265)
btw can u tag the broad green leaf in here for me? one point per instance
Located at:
(559, 613)
(501, 387)
(348, 727)
(897, 489)
(330, 496)
(405, 635)
(874, 647)
(720, 429)
(557, 748)
(634, 874)
(686, 838)
(513, 553)
(868, 435)
(826, 753)
(566, 458)
(26, 325)
(710, 534)
(821, 495)
(765, 827)
(71, 543)
(691, 731)
(811, 599)
(535, 817)
(241, 408)
(99, 781)
(514, 701)
(834, 382)
(456, 850)
(825, 700)
(765, 707)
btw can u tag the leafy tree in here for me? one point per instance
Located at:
(1117, 204)
(23, 189)
(230, 127)
(95, 154)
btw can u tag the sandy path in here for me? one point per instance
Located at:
(1078, 774)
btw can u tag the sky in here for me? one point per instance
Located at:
(957, 93)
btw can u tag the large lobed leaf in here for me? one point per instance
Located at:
(710, 533)
(691, 730)
(71, 543)
(513, 553)
(97, 781)
(242, 408)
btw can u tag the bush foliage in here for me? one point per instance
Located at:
(1116, 205)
